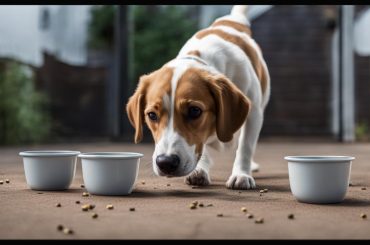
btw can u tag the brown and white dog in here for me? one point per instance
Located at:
(216, 88)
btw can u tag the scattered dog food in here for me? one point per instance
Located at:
(350, 184)
(210, 205)
(364, 216)
(1, 182)
(262, 191)
(240, 192)
(91, 206)
(266, 190)
(291, 216)
(195, 203)
(259, 221)
(244, 209)
(85, 207)
(60, 227)
(78, 202)
(94, 215)
(192, 206)
(250, 216)
(143, 182)
(67, 231)
(132, 209)
(168, 184)
(58, 205)
(363, 188)
(7, 181)
(82, 186)
(85, 194)
(201, 205)
(220, 215)
(109, 206)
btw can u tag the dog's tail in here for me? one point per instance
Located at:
(239, 10)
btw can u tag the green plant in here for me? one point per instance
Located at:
(362, 131)
(159, 35)
(23, 118)
(101, 27)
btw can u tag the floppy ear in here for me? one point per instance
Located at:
(232, 106)
(135, 108)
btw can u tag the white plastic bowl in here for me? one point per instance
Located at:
(319, 179)
(49, 170)
(110, 173)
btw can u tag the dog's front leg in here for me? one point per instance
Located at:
(241, 177)
(200, 176)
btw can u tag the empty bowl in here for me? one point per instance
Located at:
(319, 179)
(110, 173)
(49, 170)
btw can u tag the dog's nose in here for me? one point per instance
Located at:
(168, 164)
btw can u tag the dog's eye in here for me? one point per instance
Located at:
(152, 116)
(194, 112)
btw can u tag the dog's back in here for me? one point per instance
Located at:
(228, 46)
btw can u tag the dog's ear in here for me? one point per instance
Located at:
(232, 106)
(135, 108)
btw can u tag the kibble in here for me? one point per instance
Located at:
(82, 186)
(58, 205)
(210, 205)
(262, 191)
(259, 221)
(350, 184)
(85, 194)
(364, 216)
(244, 209)
(195, 203)
(363, 188)
(220, 215)
(60, 227)
(67, 231)
(132, 209)
(192, 206)
(168, 184)
(109, 206)
(291, 216)
(85, 207)
(266, 190)
(7, 181)
(91, 206)
(143, 182)
(250, 216)
(78, 202)
(94, 215)
(1, 182)
(201, 205)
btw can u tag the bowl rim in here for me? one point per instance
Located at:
(318, 158)
(110, 155)
(49, 153)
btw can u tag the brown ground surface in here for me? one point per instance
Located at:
(162, 212)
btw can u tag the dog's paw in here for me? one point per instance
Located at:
(241, 182)
(198, 177)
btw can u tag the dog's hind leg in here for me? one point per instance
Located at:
(200, 176)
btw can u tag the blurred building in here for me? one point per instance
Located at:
(297, 42)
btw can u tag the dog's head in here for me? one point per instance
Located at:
(183, 107)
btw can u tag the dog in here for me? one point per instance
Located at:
(212, 95)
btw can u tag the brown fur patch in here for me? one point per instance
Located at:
(248, 50)
(233, 24)
(148, 97)
(221, 115)
(194, 52)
